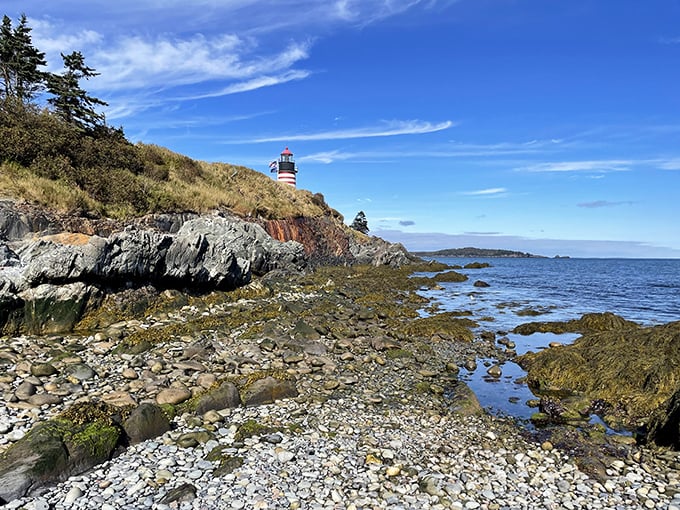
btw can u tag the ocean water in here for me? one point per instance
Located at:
(646, 291)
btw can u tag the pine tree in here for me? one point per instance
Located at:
(70, 101)
(360, 223)
(20, 76)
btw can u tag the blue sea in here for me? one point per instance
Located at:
(646, 291)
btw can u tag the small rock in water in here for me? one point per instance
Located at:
(494, 371)
(470, 365)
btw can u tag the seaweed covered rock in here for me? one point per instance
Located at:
(444, 325)
(590, 322)
(631, 370)
(81, 437)
(450, 276)
(56, 308)
(54, 450)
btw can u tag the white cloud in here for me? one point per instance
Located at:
(597, 166)
(136, 63)
(253, 84)
(671, 164)
(52, 41)
(390, 128)
(485, 192)
(603, 203)
(326, 157)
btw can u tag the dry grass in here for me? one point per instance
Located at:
(173, 183)
(18, 182)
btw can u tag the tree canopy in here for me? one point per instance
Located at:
(360, 223)
(70, 101)
(22, 78)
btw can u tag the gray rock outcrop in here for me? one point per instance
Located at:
(378, 252)
(48, 282)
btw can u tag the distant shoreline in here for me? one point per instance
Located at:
(480, 252)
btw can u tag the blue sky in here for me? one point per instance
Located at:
(542, 126)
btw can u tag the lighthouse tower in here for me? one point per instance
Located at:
(286, 169)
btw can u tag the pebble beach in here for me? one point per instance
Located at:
(369, 428)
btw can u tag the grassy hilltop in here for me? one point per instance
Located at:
(52, 163)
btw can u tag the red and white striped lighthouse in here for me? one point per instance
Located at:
(285, 168)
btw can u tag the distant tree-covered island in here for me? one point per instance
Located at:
(477, 252)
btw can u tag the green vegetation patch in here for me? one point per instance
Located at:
(251, 428)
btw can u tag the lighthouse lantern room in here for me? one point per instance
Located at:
(285, 168)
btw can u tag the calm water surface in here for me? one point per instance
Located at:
(642, 290)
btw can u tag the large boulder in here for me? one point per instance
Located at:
(145, 422)
(627, 372)
(225, 396)
(56, 308)
(378, 252)
(52, 451)
(211, 251)
(83, 436)
(45, 282)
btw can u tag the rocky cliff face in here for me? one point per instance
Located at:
(57, 277)
(55, 267)
(327, 241)
(323, 239)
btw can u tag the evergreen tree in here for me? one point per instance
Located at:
(20, 76)
(70, 101)
(360, 223)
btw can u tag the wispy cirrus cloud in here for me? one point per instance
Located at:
(141, 72)
(670, 164)
(384, 129)
(137, 63)
(485, 192)
(448, 151)
(327, 157)
(253, 84)
(603, 203)
(218, 48)
(596, 166)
